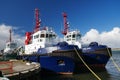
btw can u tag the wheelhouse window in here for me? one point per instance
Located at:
(13, 45)
(73, 36)
(40, 40)
(78, 36)
(54, 36)
(50, 36)
(42, 35)
(47, 36)
(69, 35)
(36, 36)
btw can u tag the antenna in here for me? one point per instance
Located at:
(64, 32)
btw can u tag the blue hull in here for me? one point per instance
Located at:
(67, 65)
(95, 58)
(66, 61)
(54, 64)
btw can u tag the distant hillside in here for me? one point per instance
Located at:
(115, 49)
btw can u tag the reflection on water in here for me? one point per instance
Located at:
(83, 76)
(111, 73)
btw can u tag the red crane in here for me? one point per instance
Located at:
(37, 26)
(64, 32)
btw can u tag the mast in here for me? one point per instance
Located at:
(64, 32)
(37, 26)
(10, 37)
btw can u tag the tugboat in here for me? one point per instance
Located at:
(58, 57)
(95, 55)
(39, 47)
(10, 51)
(10, 45)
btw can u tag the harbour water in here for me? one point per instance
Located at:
(111, 72)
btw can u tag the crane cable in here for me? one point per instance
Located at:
(87, 65)
(113, 60)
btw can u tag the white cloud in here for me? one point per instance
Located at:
(4, 36)
(110, 38)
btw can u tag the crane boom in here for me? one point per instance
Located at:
(37, 26)
(64, 32)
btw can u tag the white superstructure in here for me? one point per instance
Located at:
(10, 45)
(40, 39)
(73, 37)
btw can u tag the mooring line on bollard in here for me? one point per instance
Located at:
(87, 65)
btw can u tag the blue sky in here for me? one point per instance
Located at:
(84, 15)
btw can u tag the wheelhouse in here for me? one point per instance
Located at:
(40, 39)
(72, 36)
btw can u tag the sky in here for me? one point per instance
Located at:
(97, 20)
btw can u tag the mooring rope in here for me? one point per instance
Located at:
(87, 65)
(113, 60)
